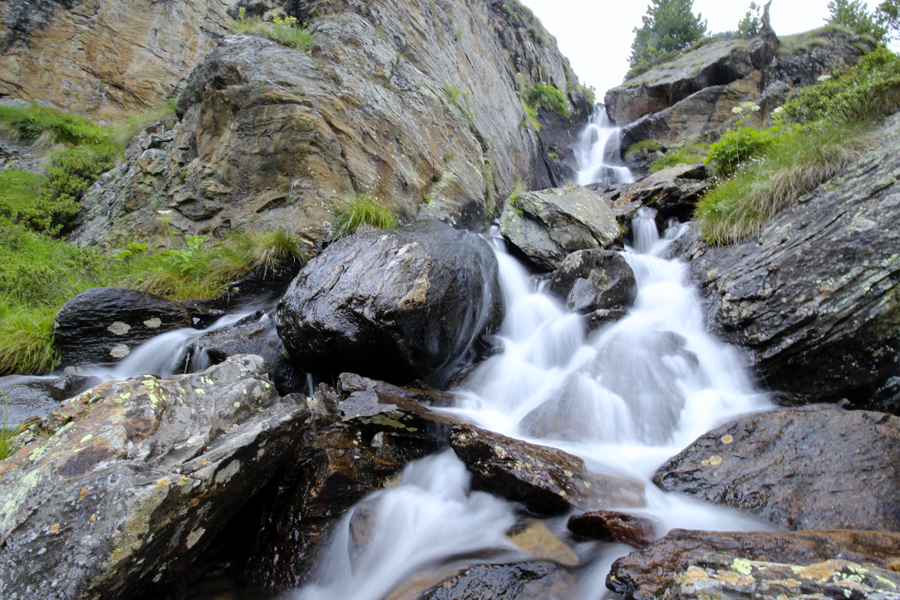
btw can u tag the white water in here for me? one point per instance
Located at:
(624, 398)
(597, 152)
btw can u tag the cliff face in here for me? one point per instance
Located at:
(417, 102)
(105, 58)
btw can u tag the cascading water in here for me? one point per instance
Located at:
(624, 398)
(597, 152)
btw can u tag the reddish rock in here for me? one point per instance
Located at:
(613, 526)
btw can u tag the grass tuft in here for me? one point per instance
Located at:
(283, 30)
(364, 211)
(690, 155)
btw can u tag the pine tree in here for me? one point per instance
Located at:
(668, 25)
(855, 15)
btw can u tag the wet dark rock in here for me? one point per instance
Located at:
(103, 325)
(816, 467)
(518, 581)
(814, 295)
(807, 564)
(594, 280)
(614, 526)
(136, 479)
(673, 192)
(550, 224)
(350, 383)
(32, 397)
(396, 305)
(545, 480)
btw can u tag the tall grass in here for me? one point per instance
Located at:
(795, 163)
(363, 211)
(283, 30)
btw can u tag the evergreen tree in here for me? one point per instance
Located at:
(668, 25)
(855, 15)
(888, 16)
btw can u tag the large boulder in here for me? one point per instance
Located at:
(591, 280)
(394, 305)
(103, 325)
(415, 102)
(814, 296)
(136, 479)
(550, 224)
(545, 480)
(808, 564)
(817, 467)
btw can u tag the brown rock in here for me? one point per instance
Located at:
(816, 467)
(614, 526)
(519, 581)
(808, 564)
(545, 480)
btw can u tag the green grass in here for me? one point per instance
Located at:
(55, 127)
(18, 189)
(651, 145)
(363, 210)
(283, 30)
(549, 97)
(7, 434)
(690, 155)
(795, 163)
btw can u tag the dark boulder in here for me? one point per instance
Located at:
(35, 397)
(591, 280)
(518, 581)
(816, 467)
(545, 480)
(103, 325)
(807, 564)
(396, 305)
(614, 526)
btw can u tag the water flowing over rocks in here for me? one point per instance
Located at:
(807, 564)
(136, 479)
(813, 296)
(103, 325)
(35, 397)
(545, 480)
(550, 224)
(396, 305)
(816, 467)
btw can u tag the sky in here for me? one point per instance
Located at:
(596, 35)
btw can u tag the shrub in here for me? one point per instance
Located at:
(751, 24)
(548, 97)
(364, 210)
(737, 146)
(869, 90)
(283, 30)
(690, 155)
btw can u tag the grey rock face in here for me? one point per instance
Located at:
(394, 305)
(136, 480)
(816, 467)
(550, 224)
(103, 325)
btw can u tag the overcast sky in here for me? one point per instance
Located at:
(596, 35)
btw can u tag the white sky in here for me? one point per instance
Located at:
(596, 35)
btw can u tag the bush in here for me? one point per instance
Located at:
(751, 24)
(548, 97)
(869, 90)
(669, 25)
(364, 210)
(737, 146)
(283, 30)
(691, 155)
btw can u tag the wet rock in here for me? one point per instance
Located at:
(594, 280)
(816, 467)
(519, 581)
(614, 526)
(551, 224)
(807, 564)
(813, 296)
(137, 478)
(545, 480)
(396, 305)
(350, 384)
(35, 397)
(536, 538)
(103, 325)
(673, 192)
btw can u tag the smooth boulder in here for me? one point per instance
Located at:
(104, 325)
(816, 467)
(548, 225)
(392, 305)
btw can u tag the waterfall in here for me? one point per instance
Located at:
(597, 152)
(624, 398)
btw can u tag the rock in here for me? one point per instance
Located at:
(414, 102)
(813, 296)
(613, 526)
(808, 564)
(35, 397)
(545, 480)
(592, 280)
(536, 538)
(336, 467)
(817, 467)
(518, 581)
(103, 325)
(551, 224)
(396, 305)
(136, 479)
(107, 59)
(673, 192)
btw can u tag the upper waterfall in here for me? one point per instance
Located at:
(597, 152)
